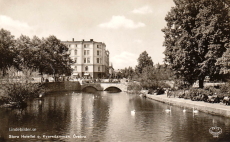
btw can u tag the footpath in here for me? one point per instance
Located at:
(216, 108)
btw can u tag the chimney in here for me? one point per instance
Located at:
(73, 39)
(91, 39)
(83, 40)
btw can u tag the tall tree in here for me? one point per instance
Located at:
(197, 34)
(7, 54)
(144, 60)
(24, 51)
(58, 60)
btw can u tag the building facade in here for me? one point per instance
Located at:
(91, 59)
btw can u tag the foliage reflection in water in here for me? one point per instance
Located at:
(104, 116)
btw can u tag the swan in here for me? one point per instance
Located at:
(133, 112)
(168, 110)
(184, 110)
(195, 110)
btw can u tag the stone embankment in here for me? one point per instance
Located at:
(216, 108)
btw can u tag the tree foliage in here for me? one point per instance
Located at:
(128, 72)
(7, 54)
(56, 55)
(144, 60)
(47, 55)
(197, 34)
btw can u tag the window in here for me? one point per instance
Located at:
(76, 45)
(98, 60)
(99, 69)
(98, 52)
(75, 51)
(75, 60)
(88, 60)
(84, 60)
(86, 45)
(86, 52)
(86, 68)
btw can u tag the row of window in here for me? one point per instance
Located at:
(87, 60)
(85, 45)
(86, 68)
(86, 52)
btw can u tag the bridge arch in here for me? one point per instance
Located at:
(95, 86)
(105, 86)
(113, 88)
(89, 88)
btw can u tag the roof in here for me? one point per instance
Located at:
(82, 42)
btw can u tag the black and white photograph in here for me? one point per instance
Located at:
(114, 70)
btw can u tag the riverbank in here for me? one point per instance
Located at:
(216, 108)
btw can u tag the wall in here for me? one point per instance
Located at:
(62, 86)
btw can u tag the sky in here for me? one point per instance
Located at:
(127, 27)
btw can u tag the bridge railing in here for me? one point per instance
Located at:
(84, 81)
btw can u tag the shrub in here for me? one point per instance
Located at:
(17, 89)
(225, 89)
(134, 87)
(20, 92)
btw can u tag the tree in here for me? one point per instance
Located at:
(127, 72)
(148, 78)
(197, 34)
(24, 52)
(7, 54)
(56, 55)
(48, 55)
(143, 61)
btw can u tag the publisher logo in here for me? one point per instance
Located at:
(215, 131)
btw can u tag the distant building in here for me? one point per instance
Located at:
(111, 71)
(91, 58)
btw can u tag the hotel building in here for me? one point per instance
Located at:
(91, 59)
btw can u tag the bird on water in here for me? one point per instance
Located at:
(168, 110)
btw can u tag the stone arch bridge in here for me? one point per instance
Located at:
(104, 86)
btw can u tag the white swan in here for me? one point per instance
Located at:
(133, 112)
(195, 110)
(168, 110)
(184, 110)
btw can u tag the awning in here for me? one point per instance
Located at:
(86, 73)
(75, 73)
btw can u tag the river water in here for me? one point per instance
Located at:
(106, 117)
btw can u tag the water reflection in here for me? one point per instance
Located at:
(103, 116)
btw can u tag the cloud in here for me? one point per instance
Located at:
(121, 22)
(143, 10)
(16, 27)
(138, 41)
(125, 59)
